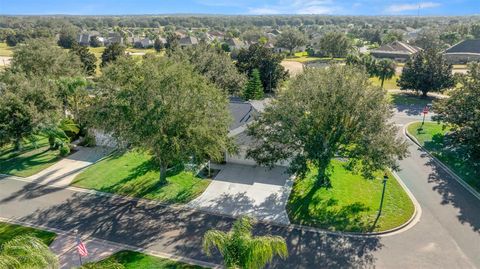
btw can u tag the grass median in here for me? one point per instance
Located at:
(9, 231)
(350, 204)
(134, 174)
(134, 260)
(433, 137)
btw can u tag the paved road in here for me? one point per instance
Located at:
(447, 236)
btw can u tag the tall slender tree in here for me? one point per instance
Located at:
(254, 89)
(385, 69)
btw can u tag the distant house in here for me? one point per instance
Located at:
(463, 52)
(235, 43)
(142, 43)
(85, 37)
(113, 37)
(397, 50)
(188, 41)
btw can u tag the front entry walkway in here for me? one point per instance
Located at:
(248, 190)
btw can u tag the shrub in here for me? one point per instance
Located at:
(64, 150)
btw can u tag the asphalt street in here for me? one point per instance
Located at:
(447, 235)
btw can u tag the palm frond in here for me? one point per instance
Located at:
(216, 239)
(30, 252)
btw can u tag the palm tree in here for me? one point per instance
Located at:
(385, 70)
(24, 252)
(242, 250)
(57, 135)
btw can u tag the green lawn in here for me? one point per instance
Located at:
(5, 50)
(134, 174)
(29, 161)
(409, 99)
(351, 203)
(432, 137)
(9, 231)
(389, 84)
(134, 260)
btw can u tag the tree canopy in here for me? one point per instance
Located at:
(254, 89)
(215, 65)
(112, 52)
(165, 108)
(40, 57)
(427, 71)
(326, 113)
(257, 56)
(334, 44)
(290, 39)
(27, 252)
(240, 249)
(461, 111)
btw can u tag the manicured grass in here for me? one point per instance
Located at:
(433, 138)
(351, 204)
(29, 161)
(134, 174)
(134, 260)
(410, 99)
(388, 84)
(5, 50)
(9, 231)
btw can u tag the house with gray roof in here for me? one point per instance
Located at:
(243, 113)
(397, 50)
(463, 52)
(235, 43)
(188, 41)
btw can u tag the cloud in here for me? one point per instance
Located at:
(296, 7)
(398, 8)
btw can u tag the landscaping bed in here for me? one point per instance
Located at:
(9, 231)
(433, 138)
(134, 174)
(134, 260)
(30, 160)
(351, 204)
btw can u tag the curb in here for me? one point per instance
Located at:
(120, 245)
(290, 226)
(440, 163)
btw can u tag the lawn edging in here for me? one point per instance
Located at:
(440, 163)
(405, 226)
(119, 245)
(417, 212)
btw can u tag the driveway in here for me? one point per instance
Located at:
(247, 190)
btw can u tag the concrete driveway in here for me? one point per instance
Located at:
(247, 190)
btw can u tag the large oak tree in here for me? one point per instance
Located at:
(165, 108)
(326, 113)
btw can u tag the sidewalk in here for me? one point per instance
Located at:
(65, 248)
(64, 171)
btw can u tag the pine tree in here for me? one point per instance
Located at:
(254, 89)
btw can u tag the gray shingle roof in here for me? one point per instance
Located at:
(397, 47)
(466, 46)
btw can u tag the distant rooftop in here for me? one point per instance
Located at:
(466, 46)
(397, 47)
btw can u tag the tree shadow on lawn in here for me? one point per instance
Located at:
(180, 231)
(409, 103)
(311, 210)
(139, 183)
(21, 162)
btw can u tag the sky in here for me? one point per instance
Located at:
(242, 7)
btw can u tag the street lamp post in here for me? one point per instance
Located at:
(385, 178)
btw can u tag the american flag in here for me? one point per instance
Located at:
(82, 249)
